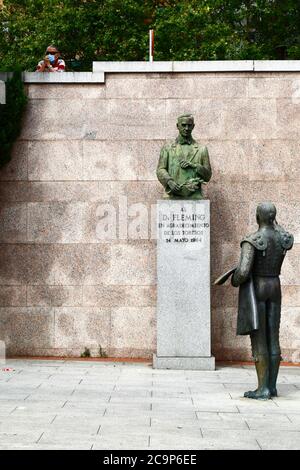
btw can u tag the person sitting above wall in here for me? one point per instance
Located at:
(51, 62)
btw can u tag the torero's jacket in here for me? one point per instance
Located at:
(260, 256)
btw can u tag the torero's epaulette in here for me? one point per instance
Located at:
(260, 242)
(257, 239)
(286, 238)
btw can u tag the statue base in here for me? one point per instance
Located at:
(183, 285)
(184, 363)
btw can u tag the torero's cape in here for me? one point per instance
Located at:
(247, 319)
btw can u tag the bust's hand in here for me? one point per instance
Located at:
(173, 185)
(186, 164)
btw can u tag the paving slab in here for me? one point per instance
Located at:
(87, 405)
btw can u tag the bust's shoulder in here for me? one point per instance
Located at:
(169, 145)
(200, 147)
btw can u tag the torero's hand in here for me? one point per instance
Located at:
(173, 186)
(186, 164)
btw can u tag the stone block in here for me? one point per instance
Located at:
(54, 161)
(2, 92)
(229, 160)
(62, 92)
(132, 264)
(54, 296)
(104, 160)
(82, 327)
(209, 117)
(64, 121)
(271, 87)
(133, 328)
(56, 222)
(60, 191)
(290, 271)
(276, 65)
(153, 87)
(183, 296)
(81, 264)
(66, 77)
(273, 160)
(120, 160)
(26, 264)
(268, 191)
(213, 66)
(13, 296)
(13, 222)
(246, 119)
(119, 296)
(24, 329)
(16, 169)
(291, 296)
(287, 112)
(132, 66)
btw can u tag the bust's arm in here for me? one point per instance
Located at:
(204, 169)
(161, 171)
(244, 268)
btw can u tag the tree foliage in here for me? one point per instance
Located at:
(89, 30)
(11, 116)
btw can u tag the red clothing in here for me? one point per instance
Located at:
(57, 66)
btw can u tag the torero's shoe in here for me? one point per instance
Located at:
(259, 394)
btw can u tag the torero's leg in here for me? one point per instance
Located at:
(261, 356)
(273, 323)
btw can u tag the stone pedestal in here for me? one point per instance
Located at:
(183, 290)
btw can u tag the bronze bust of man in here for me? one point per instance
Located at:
(183, 165)
(257, 275)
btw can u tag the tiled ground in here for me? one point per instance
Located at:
(101, 405)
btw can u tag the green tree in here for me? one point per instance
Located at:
(118, 30)
(11, 116)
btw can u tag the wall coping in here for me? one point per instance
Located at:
(2, 92)
(199, 66)
(64, 77)
(100, 68)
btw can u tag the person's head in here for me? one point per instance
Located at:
(265, 213)
(185, 125)
(52, 52)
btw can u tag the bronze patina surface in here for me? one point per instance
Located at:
(257, 276)
(184, 164)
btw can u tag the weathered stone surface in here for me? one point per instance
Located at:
(82, 327)
(113, 161)
(24, 329)
(178, 87)
(62, 92)
(51, 160)
(16, 169)
(27, 264)
(273, 160)
(132, 264)
(54, 296)
(12, 296)
(81, 264)
(183, 285)
(56, 222)
(119, 296)
(99, 145)
(140, 335)
(13, 222)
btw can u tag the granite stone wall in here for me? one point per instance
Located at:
(77, 253)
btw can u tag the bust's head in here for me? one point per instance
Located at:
(185, 125)
(265, 213)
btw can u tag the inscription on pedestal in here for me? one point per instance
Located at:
(183, 290)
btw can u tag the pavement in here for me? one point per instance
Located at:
(64, 404)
